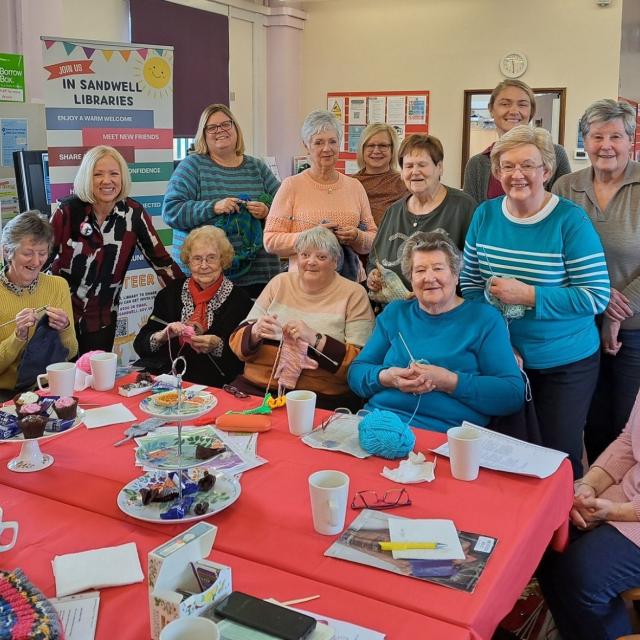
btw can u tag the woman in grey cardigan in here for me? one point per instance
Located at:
(511, 103)
(609, 191)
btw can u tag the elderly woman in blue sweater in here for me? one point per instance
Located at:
(221, 185)
(436, 360)
(537, 258)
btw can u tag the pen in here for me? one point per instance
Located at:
(404, 546)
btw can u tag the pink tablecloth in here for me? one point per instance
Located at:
(271, 522)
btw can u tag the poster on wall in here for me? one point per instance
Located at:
(336, 107)
(406, 111)
(14, 138)
(11, 77)
(121, 95)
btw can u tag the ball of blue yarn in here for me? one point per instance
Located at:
(383, 434)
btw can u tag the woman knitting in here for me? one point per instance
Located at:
(436, 360)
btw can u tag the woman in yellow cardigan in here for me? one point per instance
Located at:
(28, 295)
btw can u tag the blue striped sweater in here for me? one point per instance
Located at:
(559, 253)
(194, 188)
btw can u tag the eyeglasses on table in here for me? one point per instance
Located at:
(370, 499)
(229, 388)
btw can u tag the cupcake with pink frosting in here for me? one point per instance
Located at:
(66, 407)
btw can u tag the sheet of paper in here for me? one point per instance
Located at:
(416, 109)
(79, 614)
(357, 110)
(343, 630)
(111, 414)
(376, 108)
(355, 131)
(504, 453)
(395, 109)
(335, 105)
(444, 531)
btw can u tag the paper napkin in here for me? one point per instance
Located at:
(414, 469)
(111, 414)
(106, 567)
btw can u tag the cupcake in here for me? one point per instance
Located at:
(66, 407)
(32, 426)
(28, 397)
(31, 409)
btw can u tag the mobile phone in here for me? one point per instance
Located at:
(265, 616)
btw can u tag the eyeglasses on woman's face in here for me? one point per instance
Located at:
(526, 168)
(369, 146)
(210, 260)
(225, 125)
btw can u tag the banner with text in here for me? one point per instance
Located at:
(120, 95)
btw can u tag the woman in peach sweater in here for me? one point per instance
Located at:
(321, 195)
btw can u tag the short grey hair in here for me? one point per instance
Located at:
(30, 224)
(606, 110)
(318, 121)
(426, 241)
(319, 238)
(83, 183)
(521, 135)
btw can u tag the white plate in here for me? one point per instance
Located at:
(225, 492)
(47, 434)
(188, 411)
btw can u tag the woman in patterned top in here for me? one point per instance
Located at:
(96, 231)
(221, 185)
(195, 318)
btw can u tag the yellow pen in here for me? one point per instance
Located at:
(405, 546)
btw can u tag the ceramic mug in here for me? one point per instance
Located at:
(8, 526)
(103, 370)
(465, 447)
(328, 491)
(301, 408)
(61, 377)
(190, 629)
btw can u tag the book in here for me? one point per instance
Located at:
(359, 543)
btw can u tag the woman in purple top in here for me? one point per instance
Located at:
(583, 585)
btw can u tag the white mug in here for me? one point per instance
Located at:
(6, 526)
(61, 376)
(301, 408)
(328, 491)
(465, 446)
(103, 370)
(190, 629)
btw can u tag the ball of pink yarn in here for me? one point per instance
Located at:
(84, 361)
(187, 333)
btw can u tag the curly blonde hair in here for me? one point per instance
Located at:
(215, 237)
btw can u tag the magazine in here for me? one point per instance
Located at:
(359, 543)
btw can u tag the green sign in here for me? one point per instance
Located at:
(11, 77)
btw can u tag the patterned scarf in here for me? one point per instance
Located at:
(201, 298)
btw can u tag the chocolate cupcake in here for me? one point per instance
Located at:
(27, 397)
(32, 426)
(66, 407)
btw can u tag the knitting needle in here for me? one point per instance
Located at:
(423, 361)
(166, 324)
(8, 322)
(290, 603)
(326, 357)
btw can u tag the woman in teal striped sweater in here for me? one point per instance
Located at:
(537, 258)
(221, 185)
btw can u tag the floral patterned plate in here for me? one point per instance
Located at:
(224, 493)
(192, 407)
(161, 451)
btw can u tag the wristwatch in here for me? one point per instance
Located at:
(317, 342)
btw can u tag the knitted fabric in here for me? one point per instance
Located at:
(293, 359)
(25, 614)
(383, 434)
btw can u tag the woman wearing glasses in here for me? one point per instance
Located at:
(512, 103)
(378, 162)
(195, 318)
(221, 185)
(429, 205)
(538, 259)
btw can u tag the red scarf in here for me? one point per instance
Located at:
(201, 298)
